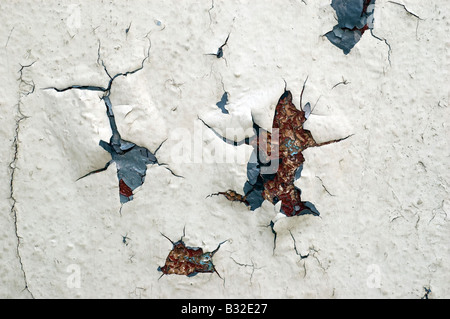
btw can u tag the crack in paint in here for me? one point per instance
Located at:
(128, 29)
(277, 160)
(26, 87)
(326, 190)
(427, 292)
(299, 254)
(223, 101)
(209, 12)
(247, 265)
(354, 18)
(386, 42)
(188, 261)
(9, 36)
(272, 228)
(295, 248)
(406, 9)
(219, 53)
(131, 160)
(344, 82)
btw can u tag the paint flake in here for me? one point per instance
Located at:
(131, 160)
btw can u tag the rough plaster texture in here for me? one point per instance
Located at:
(383, 194)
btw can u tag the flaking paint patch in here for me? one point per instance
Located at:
(277, 160)
(131, 160)
(354, 18)
(188, 261)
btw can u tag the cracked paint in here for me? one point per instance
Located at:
(209, 12)
(386, 42)
(9, 37)
(223, 102)
(219, 53)
(52, 223)
(26, 87)
(406, 9)
(272, 228)
(131, 160)
(427, 293)
(354, 18)
(311, 253)
(188, 261)
(277, 160)
(252, 265)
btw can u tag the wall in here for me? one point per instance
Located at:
(383, 194)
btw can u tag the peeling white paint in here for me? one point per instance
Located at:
(384, 233)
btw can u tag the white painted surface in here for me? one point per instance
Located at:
(384, 233)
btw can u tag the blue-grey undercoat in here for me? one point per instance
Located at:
(131, 160)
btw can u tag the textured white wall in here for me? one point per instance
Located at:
(384, 232)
